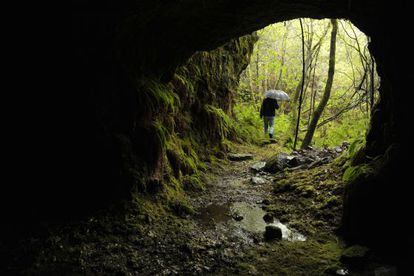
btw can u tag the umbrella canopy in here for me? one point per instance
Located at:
(277, 95)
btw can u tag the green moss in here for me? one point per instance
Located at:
(217, 121)
(182, 156)
(177, 201)
(192, 183)
(283, 186)
(354, 172)
(143, 208)
(332, 201)
(185, 81)
(306, 190)
(189, 118)
(292, 258)
(158, 96)
(161, 132)
(355, 146)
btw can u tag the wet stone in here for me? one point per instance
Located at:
(335, 270)
(273, 232)
(258, 180)
(258, 167)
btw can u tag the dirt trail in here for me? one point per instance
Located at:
(227, 223)
(224, 235)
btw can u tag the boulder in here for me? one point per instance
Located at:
(277, 163)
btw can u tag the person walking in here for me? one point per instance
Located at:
(268, 113)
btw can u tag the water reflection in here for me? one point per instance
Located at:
(252, 219)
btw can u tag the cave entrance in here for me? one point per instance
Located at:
(329, 116)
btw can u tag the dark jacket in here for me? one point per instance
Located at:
(268, 107)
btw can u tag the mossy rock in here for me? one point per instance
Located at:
(332, 202)
(283, 187)
(276, 163)
(181, 208)
(306, 191)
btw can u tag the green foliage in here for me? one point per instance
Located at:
(218, 122)
(350, 128)
(276, 63)
(193, 183)
(355, 146)
(354, 172)
(176, 199)
(158, 96)
(161, 132)
(247, 123)
(249, 126)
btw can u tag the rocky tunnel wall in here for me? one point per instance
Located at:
(119, 45)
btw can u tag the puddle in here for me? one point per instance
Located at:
(252, 219)
(214, 214)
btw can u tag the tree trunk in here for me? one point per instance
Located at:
(308, 61)
(327, 93)
(301, 91)
(257, 69)
(372, 83)
(282, 59)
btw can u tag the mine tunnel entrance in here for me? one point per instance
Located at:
(163, 110)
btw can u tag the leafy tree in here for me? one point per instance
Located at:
(328, 87)
(277, 64)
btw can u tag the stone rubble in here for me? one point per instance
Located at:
(303, 158)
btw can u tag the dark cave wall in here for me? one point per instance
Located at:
(117, 46)
(141, 123)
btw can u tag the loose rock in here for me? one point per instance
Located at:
(257, 180)
(302, 159)
(257, 167)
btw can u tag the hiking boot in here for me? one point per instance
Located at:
(270, 135)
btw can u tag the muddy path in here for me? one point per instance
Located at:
(223, 235)
(234, 202)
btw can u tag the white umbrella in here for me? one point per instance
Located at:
(277, 95)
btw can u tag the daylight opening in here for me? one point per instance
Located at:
(340, 82)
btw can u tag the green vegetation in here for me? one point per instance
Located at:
(286, 258)
(276, 63)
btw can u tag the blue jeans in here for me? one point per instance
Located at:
(269, 124)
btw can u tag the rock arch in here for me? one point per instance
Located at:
(116, 43)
